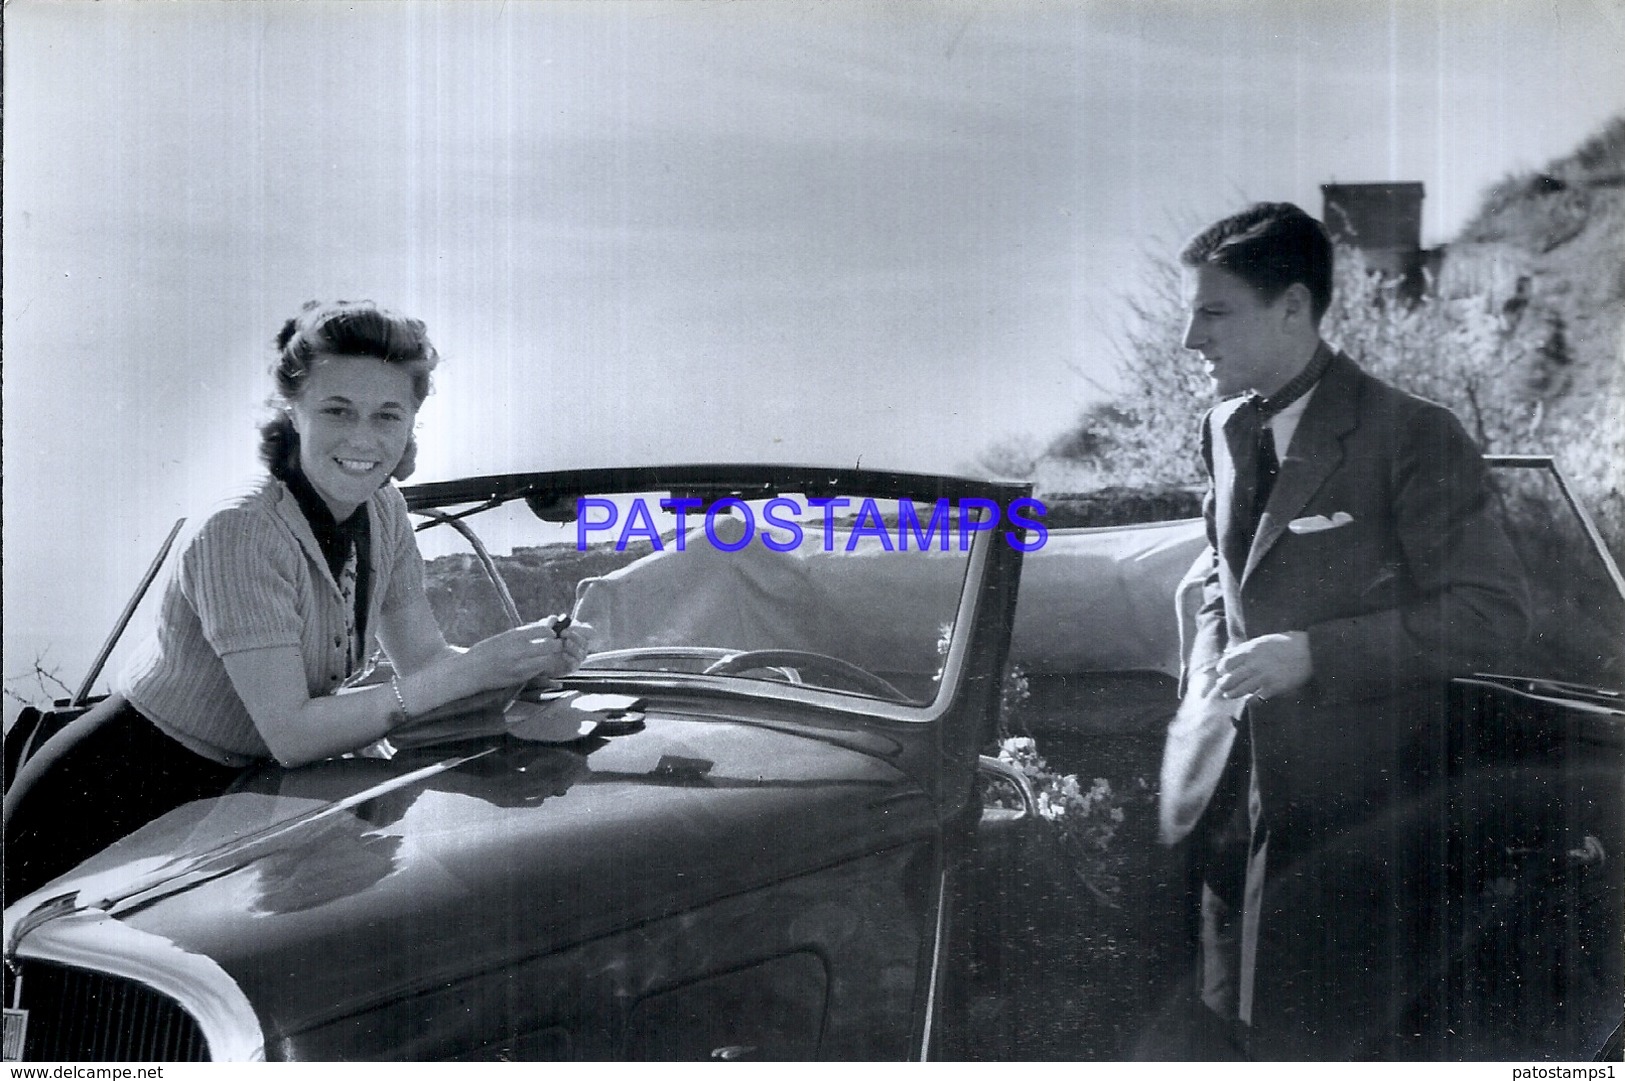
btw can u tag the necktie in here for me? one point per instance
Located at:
(1262, 409)
(1257, 466)
(1269, 467)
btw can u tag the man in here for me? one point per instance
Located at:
(1357, 563)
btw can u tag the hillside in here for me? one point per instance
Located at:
(1520, 330)
(1562, 229)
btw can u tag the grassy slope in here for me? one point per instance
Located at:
(1568, 220)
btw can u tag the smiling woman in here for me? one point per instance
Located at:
(273, 610)
(349, 394)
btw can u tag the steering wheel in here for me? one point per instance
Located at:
(843, 671)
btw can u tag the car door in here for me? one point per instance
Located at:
(1518, 943)
(1508, 941)
(1534, 856)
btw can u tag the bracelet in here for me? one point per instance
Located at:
(402, 713)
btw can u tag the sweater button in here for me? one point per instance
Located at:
(337, 641)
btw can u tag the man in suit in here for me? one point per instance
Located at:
(1357, 563)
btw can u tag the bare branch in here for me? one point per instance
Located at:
(42, 678)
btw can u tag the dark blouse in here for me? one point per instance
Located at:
(337, 540)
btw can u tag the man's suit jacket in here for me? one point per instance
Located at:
(1382, 541)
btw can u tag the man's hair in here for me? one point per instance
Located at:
(1270, 246)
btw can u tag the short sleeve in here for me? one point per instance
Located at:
(240, 573)
(405, 588)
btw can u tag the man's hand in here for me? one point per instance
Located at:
(1274, 664)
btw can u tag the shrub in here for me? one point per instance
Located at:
(1085, 819)
(1146, 436)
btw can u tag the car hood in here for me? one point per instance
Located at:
(320, 890)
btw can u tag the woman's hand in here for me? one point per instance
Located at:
(548, 648)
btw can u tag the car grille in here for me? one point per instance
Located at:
(78, 1015)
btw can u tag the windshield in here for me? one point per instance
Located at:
(857, 596)
(1577, 597)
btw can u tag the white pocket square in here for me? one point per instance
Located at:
(1318, 523)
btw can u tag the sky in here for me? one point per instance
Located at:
(849, 232)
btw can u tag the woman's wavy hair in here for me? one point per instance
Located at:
(347, 328)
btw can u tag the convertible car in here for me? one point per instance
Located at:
(756, 824)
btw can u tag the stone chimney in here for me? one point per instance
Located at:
(1383, 221)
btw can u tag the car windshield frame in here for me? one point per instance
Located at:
(1577, 601)
(1548, 464)
(551, 496)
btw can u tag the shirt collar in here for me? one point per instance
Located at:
(315, 507)
(1296, 387)
(335, 539)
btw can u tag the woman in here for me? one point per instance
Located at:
(278, 598)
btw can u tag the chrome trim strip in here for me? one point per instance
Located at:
(936, 966)
(91, 939)
(182, 872)
(118, 889)
(1539, 691)
(970, 599)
